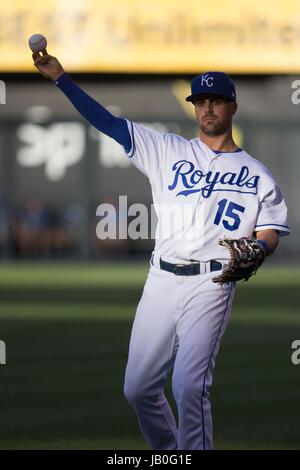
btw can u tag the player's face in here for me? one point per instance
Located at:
(214, 114)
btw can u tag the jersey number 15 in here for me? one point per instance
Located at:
(230, 219)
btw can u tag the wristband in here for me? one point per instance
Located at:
(264, 245)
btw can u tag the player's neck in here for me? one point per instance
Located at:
(222, 143)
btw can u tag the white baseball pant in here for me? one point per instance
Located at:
(179, 323)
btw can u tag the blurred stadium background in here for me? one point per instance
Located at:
(67, 300)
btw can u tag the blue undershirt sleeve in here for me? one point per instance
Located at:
(95, 113)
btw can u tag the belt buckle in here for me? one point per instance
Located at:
(177, 268)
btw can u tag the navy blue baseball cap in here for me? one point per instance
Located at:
(215, 83)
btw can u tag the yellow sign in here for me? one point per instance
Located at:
(157, 36)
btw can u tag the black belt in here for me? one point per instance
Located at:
(187, 269)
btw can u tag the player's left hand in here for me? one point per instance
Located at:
(246, 256)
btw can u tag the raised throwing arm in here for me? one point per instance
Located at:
(96, 114)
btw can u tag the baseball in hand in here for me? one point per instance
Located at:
(37, 42)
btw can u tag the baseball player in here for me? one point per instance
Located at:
(237, 214)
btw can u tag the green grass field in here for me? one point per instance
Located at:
(67, 327)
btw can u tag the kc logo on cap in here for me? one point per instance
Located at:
(207, 79)
(213, 83)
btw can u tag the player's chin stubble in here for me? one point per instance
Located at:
(213, 128)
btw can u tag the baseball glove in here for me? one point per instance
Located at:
(246, 256)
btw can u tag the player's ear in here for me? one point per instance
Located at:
(234, 107)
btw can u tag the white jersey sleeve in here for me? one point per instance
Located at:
(273, 212)
(147, 150)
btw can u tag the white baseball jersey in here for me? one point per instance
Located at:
(228, 194)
